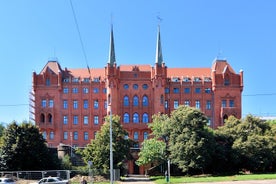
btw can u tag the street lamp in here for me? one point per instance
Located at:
(111, 151)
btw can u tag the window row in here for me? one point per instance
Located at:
(231, 103)
(188, 79)
(208, 104)
(85, 90)
(136, 118)
(136, 86)
(188, 90)
(75, 135)
(77, 119)
(85, 104)
(85, 80)
(47, 103)
(135, 101)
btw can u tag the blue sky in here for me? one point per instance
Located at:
(193, 33)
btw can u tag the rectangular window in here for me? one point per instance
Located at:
(96, 104)
(75, 104)
(166, 104)
(85, 136)
(223, 103)
(187, 103)
(75, 90)
(197, 90)
(65, 120)
(104, 90)
(48, 82)
(167, 90)
(197, 104)
(86, 80)
(208, 104)
(176, 90)
(43, 103)
(85, 90)
(76, 136)
(51, 103)
(96, 120)
(65, 90)
(175, 104)
(85, 104)
(75, 120)
(85, 120)
(105, 104)
(65, 104)
(65, 135)
(231, 103)
(186, 90)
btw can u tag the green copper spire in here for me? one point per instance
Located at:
(159, 56)
(111, 59)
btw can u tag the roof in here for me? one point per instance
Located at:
(189, 72)
(53, 66)
(84, 72)
(220, 66)
(145, 68)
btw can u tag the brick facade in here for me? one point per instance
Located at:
(70, 104)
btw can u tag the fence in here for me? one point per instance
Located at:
(91, 174)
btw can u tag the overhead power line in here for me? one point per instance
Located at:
(79, 34)
(261, 94)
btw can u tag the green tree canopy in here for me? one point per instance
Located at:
(25, 149)
(252, 141)
(98, 151)
(191, 143)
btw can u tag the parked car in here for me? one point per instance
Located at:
(52, 180)
(6, 181)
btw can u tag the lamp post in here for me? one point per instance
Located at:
(111, 151)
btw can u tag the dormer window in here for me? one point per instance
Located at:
(96, 79)
(197, 79)
(75, 79)
(86, 80)
(48, 82)
(207, 79)
(66, 80)
(175, 79)
(186, 79)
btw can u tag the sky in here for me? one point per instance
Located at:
(193, 34)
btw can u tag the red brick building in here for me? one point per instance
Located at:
(70, 104)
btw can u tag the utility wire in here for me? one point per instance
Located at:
(80, 37)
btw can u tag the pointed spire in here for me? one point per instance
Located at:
(159, 56)
(111, 59)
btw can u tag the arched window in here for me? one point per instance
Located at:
(44, 134)
(126, 101)
(135, 136)
(227, 80)
(146, 135)
(145, 101)
(42, 118)
(50, 118)
(135, 101)
(52, 135)
(145, 118)
(126, 118)
(135, 118)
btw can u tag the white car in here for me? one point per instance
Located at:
(52, 180)
(6, 181)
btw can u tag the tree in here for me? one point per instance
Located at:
(152, 151)
(191, 143)
(24, 149)
(252, 142)
(98, 151)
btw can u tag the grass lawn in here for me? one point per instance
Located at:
(174, 179)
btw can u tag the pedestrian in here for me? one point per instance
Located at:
(83, 181)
